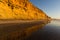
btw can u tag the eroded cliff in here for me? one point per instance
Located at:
(20, 9)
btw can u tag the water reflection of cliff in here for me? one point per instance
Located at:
(33, 29)
(19, 31)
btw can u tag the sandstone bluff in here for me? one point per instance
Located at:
(23, 10)
(20, 9)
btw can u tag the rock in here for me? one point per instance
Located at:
(23, 10)
(20, 9)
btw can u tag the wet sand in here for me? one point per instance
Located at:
(50, 31)
(18, 30)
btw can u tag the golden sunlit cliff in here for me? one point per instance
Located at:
(23, 10)
(20, 9)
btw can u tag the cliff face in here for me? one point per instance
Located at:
(20, 9)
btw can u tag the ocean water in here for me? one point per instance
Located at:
(50, 31)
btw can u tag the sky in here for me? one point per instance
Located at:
(50, 7)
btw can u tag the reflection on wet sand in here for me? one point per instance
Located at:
(19, 31)
(36, 36)
(50, 31)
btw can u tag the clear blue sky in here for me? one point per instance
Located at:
(50, 7)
